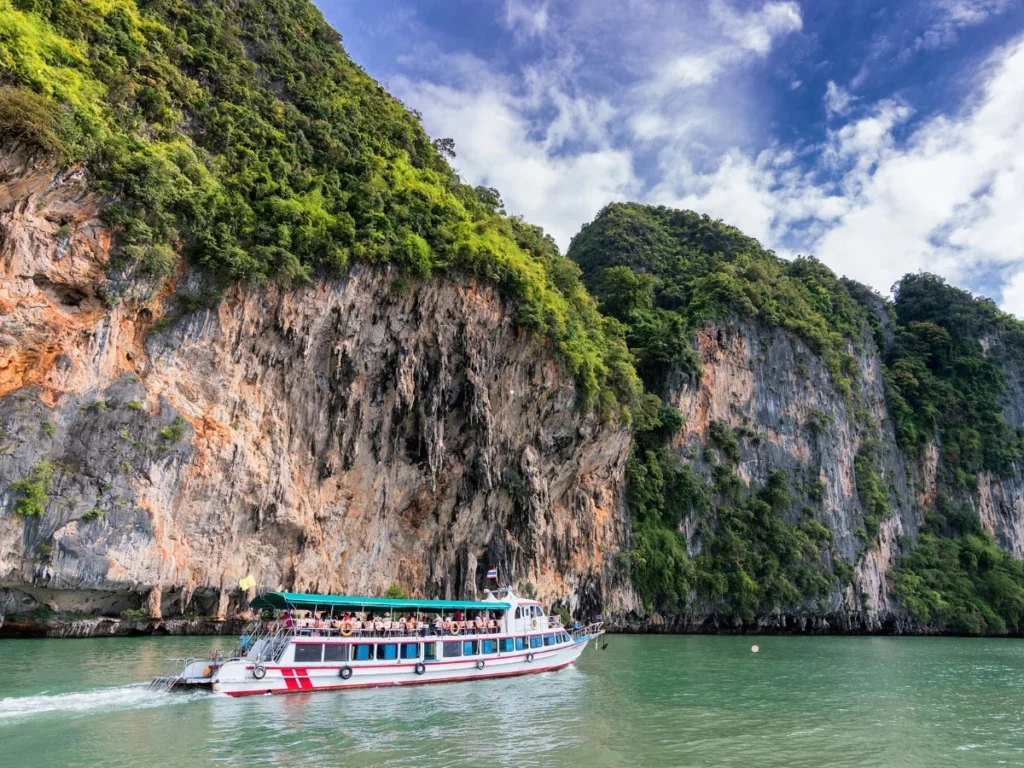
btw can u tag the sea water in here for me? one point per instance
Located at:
(643, 701)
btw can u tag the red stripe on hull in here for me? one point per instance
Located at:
(491, 676)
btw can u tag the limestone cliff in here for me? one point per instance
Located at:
(337, 436)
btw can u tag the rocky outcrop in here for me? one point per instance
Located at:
(787, 414)
(339, 436)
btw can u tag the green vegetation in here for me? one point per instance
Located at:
(395, 592)
(32, 493)
(958, 579)
(751, 560)
(662, 273)
(242, 134)
(874, 496)
(93, 514)
(134, 614)
(941, 382)
(175, 431)
(134, 405)
(690, 269)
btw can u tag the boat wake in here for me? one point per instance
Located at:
(91, 702)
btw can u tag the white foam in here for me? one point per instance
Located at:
(90, 702)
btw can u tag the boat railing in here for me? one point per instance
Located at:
(594, 628)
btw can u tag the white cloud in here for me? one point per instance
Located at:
(887, 192)
(949, 17)
(526, 20)
(837, 100)
(499, 145)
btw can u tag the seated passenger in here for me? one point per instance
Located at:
(478, 623)
(378, 625)
(438, 625)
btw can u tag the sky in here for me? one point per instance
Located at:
(883, 138)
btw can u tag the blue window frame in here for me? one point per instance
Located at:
(430, 651)
(387, 651)
(520, 643)
(362, 653)
(470, 648)
(410, 650)
(535, 641)
(488, 646)
(506, 644)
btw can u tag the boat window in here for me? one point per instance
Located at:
(517, 614)
(520, 643)
(507, 644)
(535, 641)
(565, 637)
(549, 639)
(488, 646)
(429, 651)
(387, 651)
(363, 653)
(452, 649)
(410, 650)
(336, 652)
(307, 652)
(470, 648)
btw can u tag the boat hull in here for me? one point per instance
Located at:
(237, 678)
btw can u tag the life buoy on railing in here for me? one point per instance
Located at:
(259, 671)
(345, 672)
(479, 663)
(535, 623)
(420, 668)
(347, 628)
(454, 628)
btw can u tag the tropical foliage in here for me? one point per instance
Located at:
(241, 134)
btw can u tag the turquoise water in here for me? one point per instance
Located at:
(651, 701)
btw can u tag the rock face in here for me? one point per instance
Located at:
(782, 405)
(341, 436)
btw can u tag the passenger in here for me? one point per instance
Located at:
(403, 625)
(446, 626)
(439, 627)
(458, 616)
(378, 625)
(478, 624)
(288, 621)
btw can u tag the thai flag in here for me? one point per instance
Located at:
(492, 574)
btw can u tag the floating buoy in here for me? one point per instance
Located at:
(754, 649)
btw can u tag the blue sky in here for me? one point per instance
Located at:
(883, 138)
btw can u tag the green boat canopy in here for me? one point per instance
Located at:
(298, 600)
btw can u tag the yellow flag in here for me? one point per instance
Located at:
(247, 583)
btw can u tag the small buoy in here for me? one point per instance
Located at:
(754, 649)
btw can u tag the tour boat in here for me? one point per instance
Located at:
(290, 654)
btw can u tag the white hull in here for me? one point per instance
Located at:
(236, 677)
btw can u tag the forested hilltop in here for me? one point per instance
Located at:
(244, 291)
(704, 534)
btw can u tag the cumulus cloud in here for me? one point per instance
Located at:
(946, 198)
(642, 101)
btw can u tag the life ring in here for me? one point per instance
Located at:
(259, 671)
(347, 628)
(420, 668)
(535, 623)
(479, 663)
(454, 628)
(345, 672)
(529, 657)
